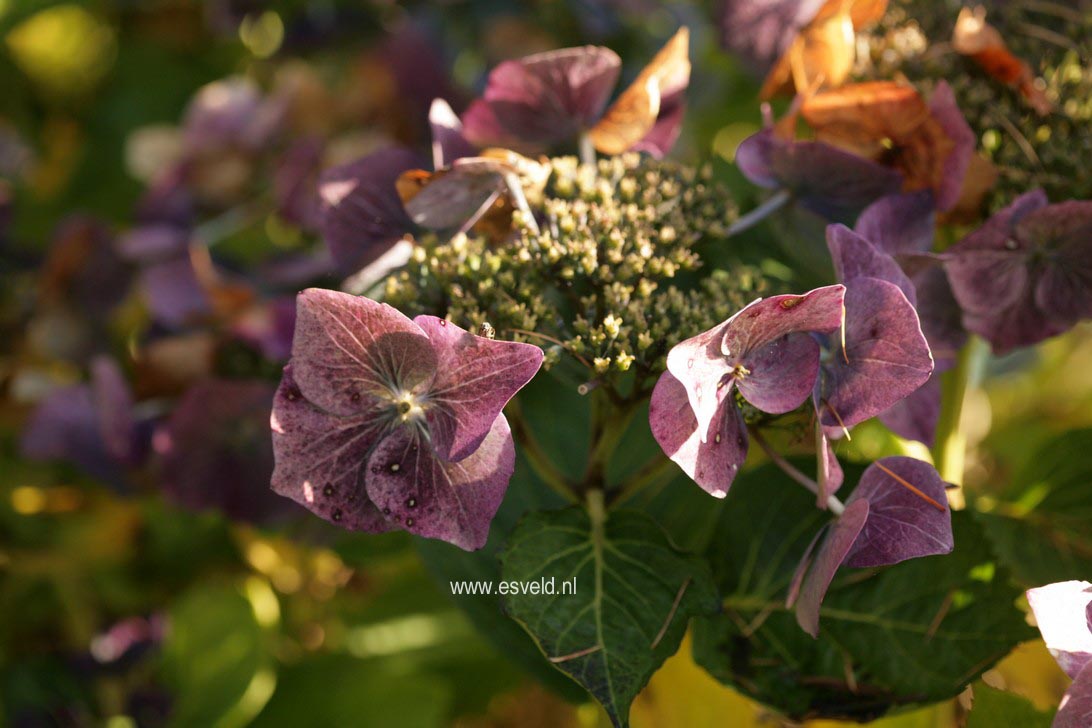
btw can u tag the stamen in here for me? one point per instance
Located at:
(913, 489)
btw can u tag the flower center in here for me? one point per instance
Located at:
(739, 372)
(408, 407)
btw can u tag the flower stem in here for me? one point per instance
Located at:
(950, 447)
(651, 472)
(587, 149)
(609, 421)
(760, 213)
(833, 504)
(536, 456)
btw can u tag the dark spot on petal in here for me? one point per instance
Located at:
(355, 397)
(291, 394)
(409, 522)
(376, 469)
(411, 503)
(386, 511)
(443, 322)
(790, 303)
(740, 441)
(395, 467)
(328, 490)
(873, 332)
(336, 515)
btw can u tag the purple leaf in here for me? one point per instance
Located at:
(886, 356)
(321, 459)
(900, 224)
(944, 109)
(548, 97)
(475, 379)
(820, 571)
(1075, 710)
(215, 452)
(1026, 274)
(1061, 611)
(448, 141)
(857, 257)
(713, 461)
(826, 180)
(360, 212)
(901, 524)
(915, 416)
(435, 498)
(350, 352)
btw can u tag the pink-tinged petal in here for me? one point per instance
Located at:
(154, 242)
(321, 459)
(351, 354)
(1061, 611)
(1075, 710)
(900, 224)
(360, 212)
(901, 524)
(836, 544)
(825, 179)
(448, 141)
(214, 451)
(475, 379)
(482, 128)
(700, 367)
(1064, 289)
(944, 109)
(769, 319)
(295, 182)
(830, 475)
(451, 199)
(940, 316)
(760, 31)
(915, 416)
(268, 326)
(781, 373)
(173, 293)
(857, 257)
(665, 132)
(712, 463)
(219, 114)
(435, 498)
(802, 567)
(1024, 275)
(65, 426)
(114, 406)
(886, 356)
(986, 267)
(550, 97)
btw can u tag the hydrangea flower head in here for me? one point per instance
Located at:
(383, 422)
(766, 352)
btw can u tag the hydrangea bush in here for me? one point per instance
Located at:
(552, 353)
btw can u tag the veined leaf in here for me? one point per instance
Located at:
(634, 595)
(917, 632)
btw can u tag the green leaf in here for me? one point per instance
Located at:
(634, 594)
(1042, 526)
(216, 659)
(916, 632)
(337, 690)
(998, 709)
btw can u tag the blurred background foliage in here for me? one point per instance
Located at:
(128, 609)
